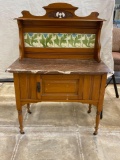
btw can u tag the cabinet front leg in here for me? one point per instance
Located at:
(20, 118)
(97, 122)
(28, 108)
(89, 109)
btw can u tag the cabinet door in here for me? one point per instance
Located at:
(60, 87)
(30, 86)
(71, 87)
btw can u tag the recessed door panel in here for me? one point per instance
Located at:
(60, 87)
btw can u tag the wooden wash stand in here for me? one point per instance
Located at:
(59, 59)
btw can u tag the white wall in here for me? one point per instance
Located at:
(10, 9)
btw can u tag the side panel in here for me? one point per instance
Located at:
(28, 84)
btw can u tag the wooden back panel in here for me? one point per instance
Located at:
(60, 34)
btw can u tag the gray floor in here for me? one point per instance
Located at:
(59, 131)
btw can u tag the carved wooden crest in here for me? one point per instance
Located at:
(60, 11)
(60, 14)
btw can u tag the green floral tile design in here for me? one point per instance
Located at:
(59, 40)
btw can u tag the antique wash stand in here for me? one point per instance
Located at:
(59, 59)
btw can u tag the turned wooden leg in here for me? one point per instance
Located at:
(28, 108)
(20, 118)
(89, 109)
(97, 122)
(101, 114)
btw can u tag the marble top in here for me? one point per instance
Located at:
(58, 66)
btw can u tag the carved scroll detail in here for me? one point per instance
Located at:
(60, 14)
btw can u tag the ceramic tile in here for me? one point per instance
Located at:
(110, 146)
(101, 147)
(111, 115)
(51, 113)
(7, 89)
(49, 146)
(59, 130)
(7, 144)
(59, 40)
(8, 113)
(1, 84)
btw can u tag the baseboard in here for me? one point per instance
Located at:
(6, 80)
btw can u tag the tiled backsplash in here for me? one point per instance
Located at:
(59, 40)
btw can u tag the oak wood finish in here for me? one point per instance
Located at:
(59, 74)
(69, 23)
